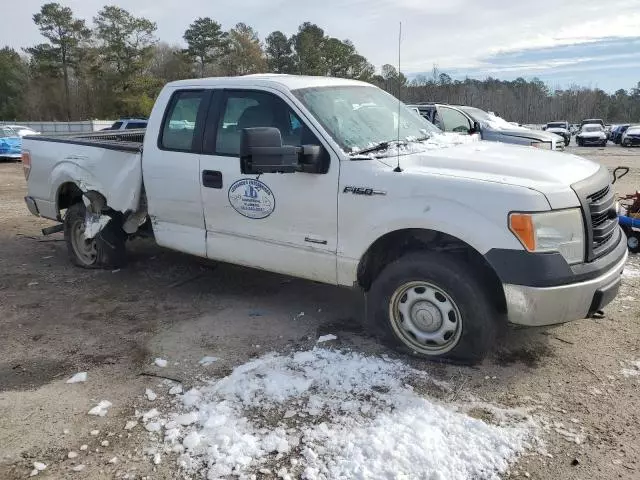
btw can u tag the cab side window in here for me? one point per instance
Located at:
(248, 109)
(179, 127)
(454, 121)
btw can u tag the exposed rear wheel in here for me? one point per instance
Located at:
(430, 305)
(105, 250)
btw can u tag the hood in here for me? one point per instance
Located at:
(527, 133)
(548, 172)
(557, 130)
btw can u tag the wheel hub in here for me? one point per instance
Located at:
(85, 248)
(426, 316)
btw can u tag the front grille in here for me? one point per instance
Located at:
(597, 199)
(603, 227)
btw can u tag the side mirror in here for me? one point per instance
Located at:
(475, 128)
(261, 151)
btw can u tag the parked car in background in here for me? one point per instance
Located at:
(592, 134)
(592, 121)
(631, 137)
(616, 134)
(128, 124)
(471, 120)
(559, 128)
(607, 130)
(23, 131)
(10, 144)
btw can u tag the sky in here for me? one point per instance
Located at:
(592, 43)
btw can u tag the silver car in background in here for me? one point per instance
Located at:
(471, 120)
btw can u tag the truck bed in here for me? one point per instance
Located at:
(128, 141)
(109, 163)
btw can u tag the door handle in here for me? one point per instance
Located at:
(211, 179)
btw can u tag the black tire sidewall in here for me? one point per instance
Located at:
(452, 276)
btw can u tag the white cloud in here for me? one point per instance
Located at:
(457, 33)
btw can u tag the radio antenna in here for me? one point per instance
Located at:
(398, 169)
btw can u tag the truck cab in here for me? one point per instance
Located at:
(336, 181)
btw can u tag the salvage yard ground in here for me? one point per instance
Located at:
(195, 368)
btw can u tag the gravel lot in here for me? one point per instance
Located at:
(577, 381)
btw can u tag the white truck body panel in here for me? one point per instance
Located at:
(320, 226)
(115, 174)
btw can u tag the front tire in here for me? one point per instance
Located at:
(431, 305)
(105, 250)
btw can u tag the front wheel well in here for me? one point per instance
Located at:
(394, 245)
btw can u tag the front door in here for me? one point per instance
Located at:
(279, 222)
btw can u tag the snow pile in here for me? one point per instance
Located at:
(37, 468)
(326, 338)
(207, 360)
(160, 362)
(332, 415)
(633, 371)
(78, 377)
(150, 394)
(101, 409)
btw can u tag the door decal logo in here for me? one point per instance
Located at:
(252, 198)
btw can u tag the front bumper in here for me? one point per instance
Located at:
(592, 140)
(537, 306)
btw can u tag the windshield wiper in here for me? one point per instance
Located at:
(385, 145)
(379, 147)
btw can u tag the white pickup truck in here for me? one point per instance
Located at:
(333, 180)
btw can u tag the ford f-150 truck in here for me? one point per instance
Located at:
(335, 181)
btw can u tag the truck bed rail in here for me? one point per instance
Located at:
(128, 140)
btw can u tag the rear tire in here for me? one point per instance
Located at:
(430, 305)
(105, 250)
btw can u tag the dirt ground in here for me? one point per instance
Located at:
(56, 320)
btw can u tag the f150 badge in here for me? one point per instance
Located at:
(362, 191)
(252, 198)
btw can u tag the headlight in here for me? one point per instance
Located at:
(544, 145)
(556, 231)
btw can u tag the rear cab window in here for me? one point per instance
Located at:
(183, 121)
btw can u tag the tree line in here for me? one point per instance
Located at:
(116, 66)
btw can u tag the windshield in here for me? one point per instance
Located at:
(592, 128)
(359, 117)
(7, 132)
(556, 125)
(489, 120)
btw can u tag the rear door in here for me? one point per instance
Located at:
(279, 222)
(171, 169)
